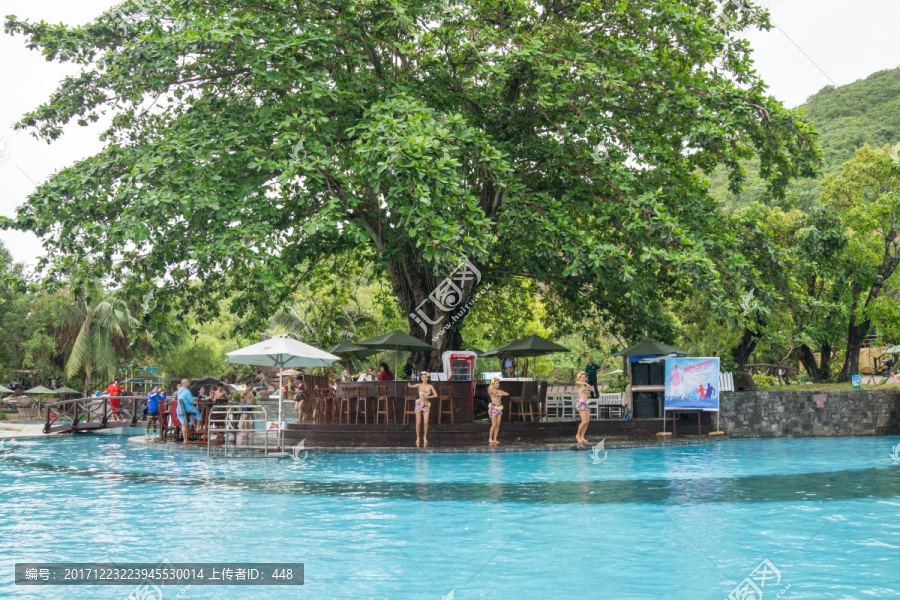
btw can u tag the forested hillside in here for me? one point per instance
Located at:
(846, 117)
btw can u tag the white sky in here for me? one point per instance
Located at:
(816, 42)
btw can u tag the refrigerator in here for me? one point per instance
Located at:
(459, 365)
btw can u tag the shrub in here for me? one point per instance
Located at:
(616, 385)
(763, 382)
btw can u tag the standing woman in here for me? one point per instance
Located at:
(423, 405)
(581, 405)
(495, 409)
(299, 400)
(246, 403)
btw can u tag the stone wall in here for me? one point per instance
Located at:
(799, 414)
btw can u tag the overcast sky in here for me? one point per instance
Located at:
(815, 43)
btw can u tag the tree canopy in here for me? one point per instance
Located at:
(561, 141)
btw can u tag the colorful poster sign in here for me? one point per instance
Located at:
(856, 381)
(692, 383)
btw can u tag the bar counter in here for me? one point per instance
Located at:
(397, 391)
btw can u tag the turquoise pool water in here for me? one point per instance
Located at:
(689, 522)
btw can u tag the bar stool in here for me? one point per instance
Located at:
(409, 403)
(383, 400)
(342, 406)
(360, 398)
(442, 411)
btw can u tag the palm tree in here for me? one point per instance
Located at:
(99, 327)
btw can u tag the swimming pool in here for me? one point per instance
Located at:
(687, 522)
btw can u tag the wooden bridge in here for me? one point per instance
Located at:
(89, 414)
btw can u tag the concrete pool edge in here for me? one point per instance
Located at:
(561, 446)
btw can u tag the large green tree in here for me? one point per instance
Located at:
(866, 196)
(556, 140)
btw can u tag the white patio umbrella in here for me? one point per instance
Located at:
(281, 351)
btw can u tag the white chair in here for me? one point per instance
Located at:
(726, 382)
(567, 405)
(553, 402)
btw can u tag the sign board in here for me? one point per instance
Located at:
(856, 381)
(507, 363)
(692, 383)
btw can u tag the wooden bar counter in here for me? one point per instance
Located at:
(460, 391)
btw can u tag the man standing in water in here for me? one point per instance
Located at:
(591, 372)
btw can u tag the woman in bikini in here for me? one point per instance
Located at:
(423, 405)
(581, 405)
(495, 410)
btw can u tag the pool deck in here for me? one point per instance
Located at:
(12, 430)
(549, 446)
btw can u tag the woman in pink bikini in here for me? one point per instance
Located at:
(581, 405)
(423, 405)
(495, 410)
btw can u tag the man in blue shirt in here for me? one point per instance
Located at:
(153, 398)
(186, 409)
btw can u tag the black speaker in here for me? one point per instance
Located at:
(640, 374)
(646, 405)
(658, 373)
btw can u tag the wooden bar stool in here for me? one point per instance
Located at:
(342, 406)
(361, 399)
(524, 403)
(409, 403)
(383, 400)
(449, 410)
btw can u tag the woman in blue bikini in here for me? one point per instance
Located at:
(423, 405)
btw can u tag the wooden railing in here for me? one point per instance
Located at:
(86, 414)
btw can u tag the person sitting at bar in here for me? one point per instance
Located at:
(495, 410)
(187, 411)
(385, 374)
(423, 405)
(368, 375)
(581, 406)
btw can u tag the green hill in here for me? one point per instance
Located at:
(846, 117)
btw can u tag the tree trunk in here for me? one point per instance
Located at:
(817, 372)
(744, 350)
(856, 335)
(435, 307)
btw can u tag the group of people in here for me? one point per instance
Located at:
(495, 408)
(384, 374)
